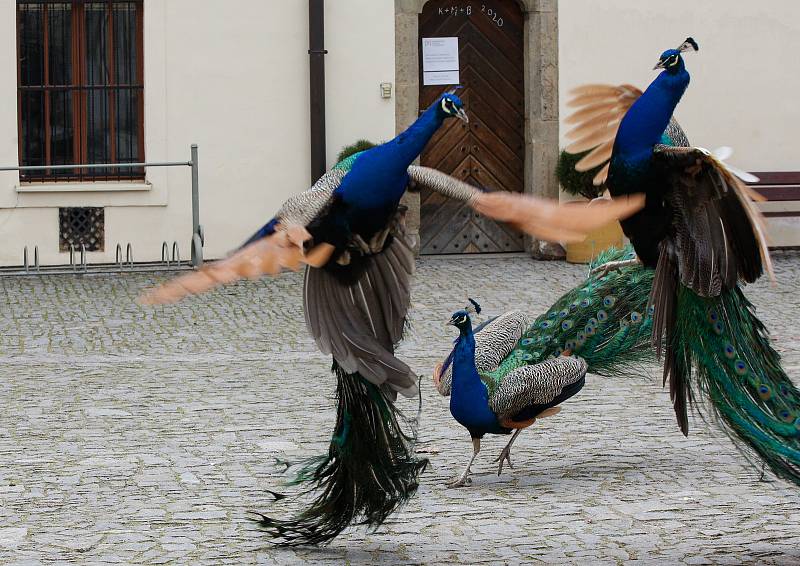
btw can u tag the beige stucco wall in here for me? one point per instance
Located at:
(744, 79)
(234, 81)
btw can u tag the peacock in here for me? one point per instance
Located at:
(701, 233)
(512, 370)
(349, 231)
(514, 403)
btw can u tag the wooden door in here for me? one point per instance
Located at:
(489, 152)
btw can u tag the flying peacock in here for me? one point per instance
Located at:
(349, 231)
(512, 370)
(702, 234)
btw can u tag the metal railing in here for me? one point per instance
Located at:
(198, 238)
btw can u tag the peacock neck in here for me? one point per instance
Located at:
(644, 124)
(410, 143)
(469, 400)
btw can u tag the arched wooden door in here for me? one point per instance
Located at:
(489, 152)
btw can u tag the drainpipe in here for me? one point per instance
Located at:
(316, 54)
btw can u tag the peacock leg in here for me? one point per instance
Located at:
(464, 480)
(608, 267)
(505, 455)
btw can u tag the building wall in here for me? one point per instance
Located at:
(234, 81)
(743, 78)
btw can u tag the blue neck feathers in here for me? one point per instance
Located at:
(379, 176)
(469, 399)
(645, 123)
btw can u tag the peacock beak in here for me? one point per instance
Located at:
(659, 65)
(461, 115)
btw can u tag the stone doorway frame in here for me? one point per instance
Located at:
(541, 100)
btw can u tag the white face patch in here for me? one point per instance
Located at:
(447, 105)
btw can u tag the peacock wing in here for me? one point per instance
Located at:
(719, 232)
(599, 109)
(525, 391)
(550, 220)
(717, 238)
(359, 324)
(494, 339)
(280, 244)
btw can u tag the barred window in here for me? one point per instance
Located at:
(80, 90)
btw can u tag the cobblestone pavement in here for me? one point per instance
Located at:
(142, 435)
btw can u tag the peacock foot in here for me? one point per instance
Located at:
(505, 456)
(461, 481)
(608, 267)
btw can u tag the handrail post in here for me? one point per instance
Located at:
(36, 258)
(197, 253)
(25, 258)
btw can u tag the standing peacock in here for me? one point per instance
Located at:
(511, 370)
(349, 230)
(701, 232)
(513, 403)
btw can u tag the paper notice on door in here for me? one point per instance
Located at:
(440, 61)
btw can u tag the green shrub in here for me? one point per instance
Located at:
(575, 182)
(349, 150)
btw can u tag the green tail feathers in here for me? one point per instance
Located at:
(604, 320)
(369, 472)
(723, 346)
(738, 369)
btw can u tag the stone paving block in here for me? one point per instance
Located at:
(137, 435)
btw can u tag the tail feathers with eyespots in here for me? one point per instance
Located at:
(726, 351)
(605, 320)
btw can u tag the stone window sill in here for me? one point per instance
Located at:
(84, 187)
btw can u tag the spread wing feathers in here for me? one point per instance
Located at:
(717, 238)
(267, 256)
(600, 109)
(262, 255)
(360, 324)
(536, 384)
(548, 220)
(663, 298)
(717, 228)
(493, 342)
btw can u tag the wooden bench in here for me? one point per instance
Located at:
(782, 207)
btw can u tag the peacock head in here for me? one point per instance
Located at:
(672, 61)
(451, 105)
(461, 318)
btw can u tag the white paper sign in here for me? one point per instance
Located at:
(440, 61)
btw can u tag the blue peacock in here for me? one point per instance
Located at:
(703, 236)
(513, 403)
(512, 370)
(349, 231)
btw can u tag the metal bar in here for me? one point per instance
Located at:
(197, 255)
(96, 165)
(40, 88)
(46, 95)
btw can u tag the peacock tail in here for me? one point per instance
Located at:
(605, 320)
(740, 372)
(370, 469)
